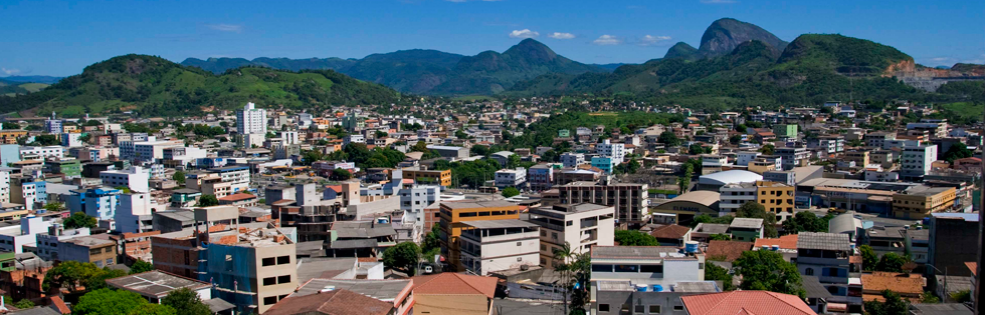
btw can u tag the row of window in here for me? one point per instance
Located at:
(277, 280)
(639, 309)
(272, 261)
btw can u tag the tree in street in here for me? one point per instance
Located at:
(715, 273)
(634, 238)
(207, 201)
(510, 192)
(769, 271)
(890, 262)
(340, 174)
(805, 221)
(79, 220)
(403, 256)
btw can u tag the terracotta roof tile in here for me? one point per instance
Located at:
(876, 282)
(237, 197)
(730, 250)
(337, 302)
(672, 231)
(746, 302)
(60, 305)
(455, 283)
(785, 242)
(973, 266)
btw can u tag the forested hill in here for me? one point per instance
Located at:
(154, 86)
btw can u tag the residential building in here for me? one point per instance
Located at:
(569, 159)
(733, 196)
(251, 120)
(743, 158)
(42, 153)
(793, 157)
(456, 215)
(878, 139)
(360, 238)
(67, 167)
(135, 213)
(745, 302)
(47, 243)
(450, 151)
(646, 265)
(15, 238)
(442, 178)
(590, 225)
(629, 200)
(827, 256)
(136, 178)
(495, 245)
(775, 197)
(746, 229)
(97, 249)
(454, 293)
(511, 178)
(916, 161)
(53, 125)
(100, 203)
(785, 130)
(950, 237)
(606, 164)
(331, 302)
(615, 151)
(155, 285)
(540, 177)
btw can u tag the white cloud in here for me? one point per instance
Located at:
(10, 71)
(650, 40)
(226, 27)
(557, 35)
(940, 59)
(524, 33)
(605, 40)
(718, 1)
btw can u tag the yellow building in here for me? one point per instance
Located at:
(442, 178)
(454, 214)
(861, 158)
(775, 197)
(919, 202)
(761, 166)
(10, 136)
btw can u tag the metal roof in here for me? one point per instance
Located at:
(746, 223)
(383, 290)
(155, 283)
(823, 241)
(728, 177)
(499, 224)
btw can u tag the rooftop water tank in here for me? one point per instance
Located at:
(641, 287)
(658, 288)
(776, 247)
(691, 247)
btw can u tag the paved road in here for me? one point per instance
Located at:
(525, 307)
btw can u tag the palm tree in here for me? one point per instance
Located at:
(562, 255)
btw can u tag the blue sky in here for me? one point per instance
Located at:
(61, 38)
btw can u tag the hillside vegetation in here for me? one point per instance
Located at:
(154, 86)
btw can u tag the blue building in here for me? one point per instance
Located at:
(603, 163)
(9, 153)
(100, 203)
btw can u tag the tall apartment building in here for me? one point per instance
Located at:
(53, 125)
(616, 151)
(41, 153)
(916, 161)
(540, 177)
(100, 203)
(792, 157)
(4, 187)
(734, 195)
(47, 243)
(496, 245)
(456, 215)
(569, 159)
(775, 197)
(580, 225)
(629, 200)
(827, 256)
(250, 120)
(511, 178)
(252, 266)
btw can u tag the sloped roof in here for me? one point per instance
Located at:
(337, 302)
(785, 242)
(672, 231)
(455, 283)
(746, 302)
(823, 241)
(898, 282)
(731, 250)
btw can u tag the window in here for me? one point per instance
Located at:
(283, 260)
(652, 268)
(638, 309)
(284, 279)
(678, 307)
(654, 309)
(627, 268)
(809, 272)
(269, 261)
(603, 307)
(519, 243)
(270, 300)
(269, 281)
(519, 259)
(601, 268)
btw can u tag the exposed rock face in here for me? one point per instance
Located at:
(725, 34)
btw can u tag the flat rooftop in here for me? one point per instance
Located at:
(155, 283)
(478, 204)
(500, 224)
(384, 290)
(637, 252)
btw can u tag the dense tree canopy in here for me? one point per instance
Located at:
(768, 270)
(634, 238)
(403, 256)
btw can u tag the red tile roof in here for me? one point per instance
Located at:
(237, 197)
(730, 250)
(60, 305)
(337, 302)
(746, 302)
(973, 266)
(673, 231)
(455, 283)
(785, 242)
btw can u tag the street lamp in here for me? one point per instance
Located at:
(943, 296)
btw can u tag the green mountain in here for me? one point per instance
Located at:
(423, 71)
(723, 35)
(490, 72)
(32, 79)
(812, 69)
(682, 50)
(154, 86)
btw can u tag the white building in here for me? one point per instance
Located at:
(47, 243)
(148, 150)
(495, 245)
(647, 265)
(414, 199)
(743, 158)
(732, 196)
(616, 151)
(4, 187)
(590, 225)
(135, 213)
(353, 138)
(511, 178)
(569, 159)
(72, 140)
(792, 157)
(916, 161)
(41, 153)
(289, 137)
(251, 120)
(136, 178)
(14, 238)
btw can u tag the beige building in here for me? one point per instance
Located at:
(920, 201)
(760, 166)
(629, 200)
(580, 225)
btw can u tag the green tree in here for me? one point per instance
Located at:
(69, 275)
(79, 220)
(381, 134)
(805, 221)
(767, 270)
(98, 281)
(207, 201)
(108, 302)
(768, 149)
(721, 237)
(893, 305)
(957, 151)
(669, 138)
(54, 206)
(153, 309)
(340, 174)
(186, 302)
(24, 304)
(510, 192)
(513, 161)
(735, 139)
(179, 177)
(869, 257)
(963, 296)
(715, 273)
(11, 126)
(928, 297)
(753, 209)
(890, 262)
(634, 238)
(420, 146)
(141, 266)
(402, 256)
